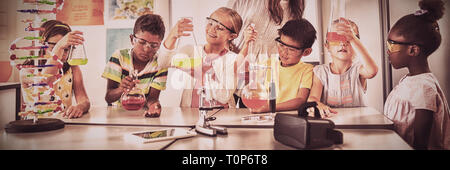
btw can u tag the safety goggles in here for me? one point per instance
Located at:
(395, 46)
(291, 49)
(216, 24)
(145, 42)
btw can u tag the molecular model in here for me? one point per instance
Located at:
(29, 55)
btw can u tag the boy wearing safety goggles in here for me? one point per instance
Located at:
(293, 77)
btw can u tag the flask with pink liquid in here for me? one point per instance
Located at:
(133, 99)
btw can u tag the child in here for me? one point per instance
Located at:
(218, 58)
(147, 36)
(417, 105)
(342, 83)
(295, 40)
(60, 37)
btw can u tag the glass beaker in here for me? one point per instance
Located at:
(337, 12)
(133, 99)
(255, 94)
(77, 55)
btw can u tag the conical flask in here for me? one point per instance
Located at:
(77, 55)
(183, 59)
(133, 99)
(337, 12)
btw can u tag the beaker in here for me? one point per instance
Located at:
(77, 55)
(337, 12)
(255, 94)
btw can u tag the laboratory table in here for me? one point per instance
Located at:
(347, 118)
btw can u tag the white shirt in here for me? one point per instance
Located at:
(419, 92)
(341, 90)
(221, 89)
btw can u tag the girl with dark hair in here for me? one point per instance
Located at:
(59, 38)
(417, 105)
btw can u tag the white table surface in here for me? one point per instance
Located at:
(361, 117)
(358, 117)
(79, 137)
(114, 115)
(262, 139)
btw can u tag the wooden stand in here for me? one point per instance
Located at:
(27, 126)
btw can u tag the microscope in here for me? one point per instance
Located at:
(203, 125)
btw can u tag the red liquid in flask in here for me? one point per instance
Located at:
(133, 102)
(335, 37)
(254, 103)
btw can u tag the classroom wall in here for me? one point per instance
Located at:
(365, 13)
(7, 30)
(439, 60)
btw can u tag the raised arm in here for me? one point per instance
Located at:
(177, 31)
(250, 35)
(369, 68)
(62, 47)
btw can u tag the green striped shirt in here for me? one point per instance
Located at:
(120, 64)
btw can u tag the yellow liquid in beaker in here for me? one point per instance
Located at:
(78, 61)
(187, 62)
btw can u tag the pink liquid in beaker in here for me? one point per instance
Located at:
(335, 37)
(254, 103)
(133, 103)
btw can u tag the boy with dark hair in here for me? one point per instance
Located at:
(146, 39)
(293, 77)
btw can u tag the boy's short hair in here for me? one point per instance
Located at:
(300, 30)
(151, 23)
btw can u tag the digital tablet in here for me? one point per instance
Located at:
(159, 135)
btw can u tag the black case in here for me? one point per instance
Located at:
(305, 132)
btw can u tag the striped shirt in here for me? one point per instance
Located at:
(120, 64)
